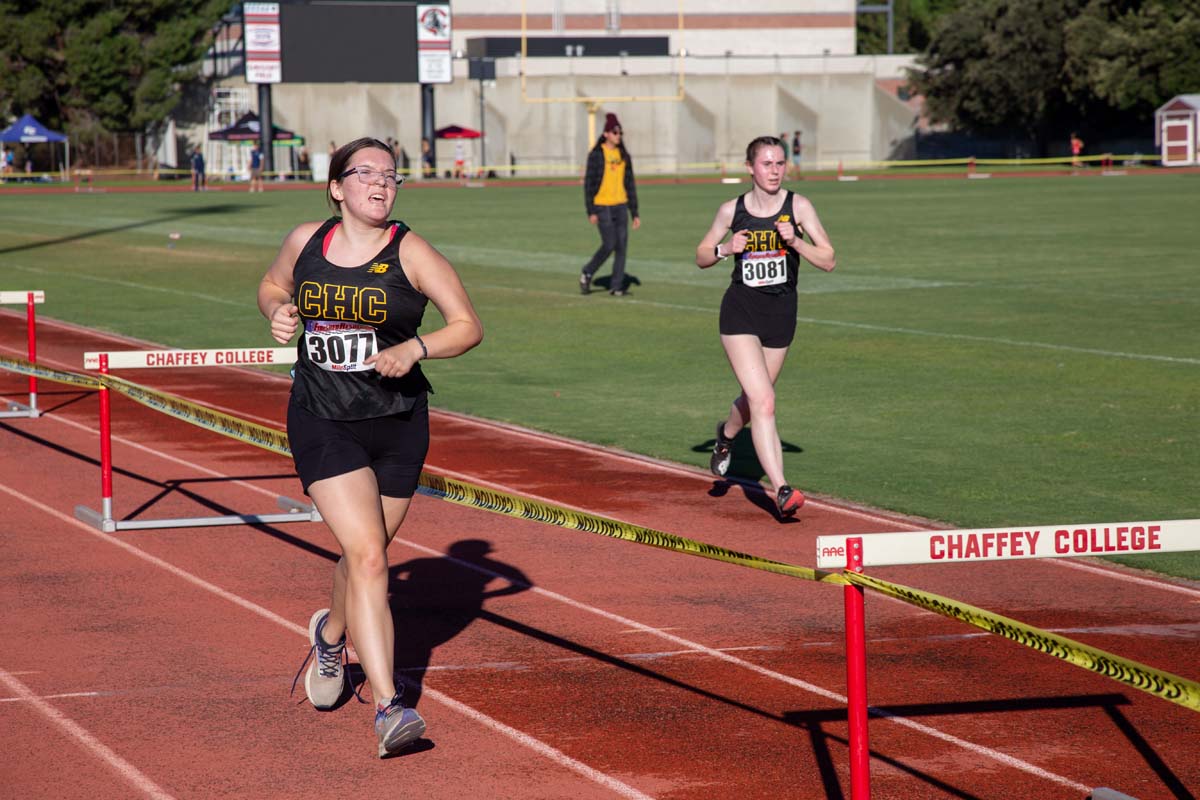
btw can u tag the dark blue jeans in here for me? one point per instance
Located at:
(613, 222)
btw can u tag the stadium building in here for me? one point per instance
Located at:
(691, 80)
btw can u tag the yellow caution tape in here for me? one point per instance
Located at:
(1139, 676)
(434, 485)
(24, 367)
(1154, 681)
(523, 508)
(225, 424)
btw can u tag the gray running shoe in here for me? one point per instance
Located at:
(585, 283)
(325, 679)
(722, 452)
(397, 727)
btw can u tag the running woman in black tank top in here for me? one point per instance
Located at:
(358, 419)
(758, 312)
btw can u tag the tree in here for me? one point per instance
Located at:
(1134, 56)
(112, 64)
(1043, 68)
(912, 30)
(995, 67)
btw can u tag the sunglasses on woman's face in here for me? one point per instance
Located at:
(369, 176)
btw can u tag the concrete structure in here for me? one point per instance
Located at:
(710, 27)
(732, 76)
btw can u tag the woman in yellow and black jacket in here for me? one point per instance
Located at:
(610, 196)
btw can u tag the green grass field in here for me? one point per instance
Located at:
(987, 353)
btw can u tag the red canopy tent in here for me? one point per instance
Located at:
(457, 132)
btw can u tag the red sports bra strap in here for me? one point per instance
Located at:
(328, 240)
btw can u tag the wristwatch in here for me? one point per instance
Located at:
(717, 252)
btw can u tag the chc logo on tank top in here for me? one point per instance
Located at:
(764, 261)
(338, 333)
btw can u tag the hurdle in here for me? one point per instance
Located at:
(852, 553)
(30, 299)
(293, 510)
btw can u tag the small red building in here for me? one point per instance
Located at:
(1177, 131)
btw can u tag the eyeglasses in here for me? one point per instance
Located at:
(369, 176)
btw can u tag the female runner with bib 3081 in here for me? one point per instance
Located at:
(758, 312)
(358, 420)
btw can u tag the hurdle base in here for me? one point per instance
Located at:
(20, 410)
(296, 511)
(1104, 793)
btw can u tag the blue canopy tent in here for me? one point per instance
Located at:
(28, 130)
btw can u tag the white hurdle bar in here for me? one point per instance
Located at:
(295, 510)
(29, 298)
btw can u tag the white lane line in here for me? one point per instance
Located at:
(629, 624)
(664, 466)
(78, 733)
(997, 340)
(133, 285)
(1122, 576)
(1110, 573)
(820, 691)
(47, 696)
(551, 753)
(546, 750)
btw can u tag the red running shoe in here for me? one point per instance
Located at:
(788, 500)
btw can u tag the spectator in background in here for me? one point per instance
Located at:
(256, 179)
(610, 196)
(1076, 150)
(460, 158)
(428, 168)
(199, 179)
(303, 165)
(796, 148)
(783, 138)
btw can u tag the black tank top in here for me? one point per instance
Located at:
(349, 313)
(767, 265)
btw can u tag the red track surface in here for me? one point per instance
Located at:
(157, 663)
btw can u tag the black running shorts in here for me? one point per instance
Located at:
(394, 447)
(770, 317)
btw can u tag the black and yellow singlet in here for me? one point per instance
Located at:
(348, 314)
(767, 264)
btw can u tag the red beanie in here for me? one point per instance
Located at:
(610, 122)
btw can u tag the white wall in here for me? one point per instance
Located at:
(834, 101)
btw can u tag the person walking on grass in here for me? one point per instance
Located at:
(758, 312)
(610, 196)
(356, 286)
(199, 177)
(256, 176)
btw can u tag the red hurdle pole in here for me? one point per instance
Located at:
(856, 677)
(31, 331)
(105, 446)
